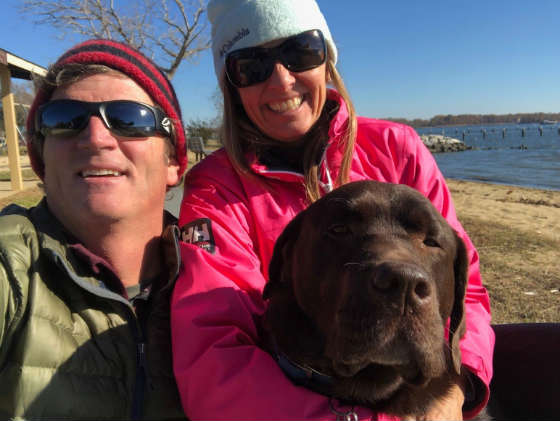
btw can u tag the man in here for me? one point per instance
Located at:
(86, 275)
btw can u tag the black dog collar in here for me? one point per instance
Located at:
(301, 375)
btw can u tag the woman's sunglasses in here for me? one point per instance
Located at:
(299, 53)
(68, 117)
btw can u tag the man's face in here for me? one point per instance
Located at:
(97, 176)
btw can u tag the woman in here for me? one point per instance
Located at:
(288, 140)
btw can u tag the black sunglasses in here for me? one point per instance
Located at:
(299, 53)
(68, 117)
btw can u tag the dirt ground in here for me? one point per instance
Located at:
(531, 210)
(517, 234)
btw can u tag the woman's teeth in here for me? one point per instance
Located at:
(100, 173)
(288, 105)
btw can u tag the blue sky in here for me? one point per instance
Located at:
(399, 58)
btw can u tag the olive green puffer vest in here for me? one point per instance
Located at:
(70, 348)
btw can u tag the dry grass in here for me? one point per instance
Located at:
(517, 234)
(520, 271)
(27, 198)
(27, 174)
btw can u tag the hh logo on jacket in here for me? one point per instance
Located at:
(199, 233)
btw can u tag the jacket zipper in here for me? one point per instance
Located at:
(141, 370)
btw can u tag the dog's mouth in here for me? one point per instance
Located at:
(414, 356)
(408, 371)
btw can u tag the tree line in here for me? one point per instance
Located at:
(23, 96)
(209, 129)
(473, 119)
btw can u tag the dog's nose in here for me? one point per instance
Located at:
(404, 283)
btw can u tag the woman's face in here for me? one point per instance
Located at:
(287, 104)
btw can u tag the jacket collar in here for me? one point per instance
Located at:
(53, 236)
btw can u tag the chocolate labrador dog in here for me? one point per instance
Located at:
(361, 286)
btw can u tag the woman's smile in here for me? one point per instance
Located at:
(286, 105)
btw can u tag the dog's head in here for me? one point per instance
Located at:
(367, 277)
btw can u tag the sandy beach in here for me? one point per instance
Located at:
(531, 210)
(516, 231)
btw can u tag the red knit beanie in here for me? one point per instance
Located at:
(131, 62)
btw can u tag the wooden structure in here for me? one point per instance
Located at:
(12, 66)
(196, 145)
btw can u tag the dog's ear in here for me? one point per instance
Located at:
(279, 269)
(457, 324)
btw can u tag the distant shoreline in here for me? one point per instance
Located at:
(480, 119)
(497, 123)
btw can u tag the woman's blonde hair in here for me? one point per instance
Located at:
(239, 135)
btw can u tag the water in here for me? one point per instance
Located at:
(496, 159)
(514, 154)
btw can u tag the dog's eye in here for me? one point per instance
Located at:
(338, 230)
(430, 242)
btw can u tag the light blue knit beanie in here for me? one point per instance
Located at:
(238, 24)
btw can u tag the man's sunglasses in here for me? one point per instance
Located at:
(68, 117)
(299, 53)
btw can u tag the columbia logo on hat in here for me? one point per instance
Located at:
(229, 44)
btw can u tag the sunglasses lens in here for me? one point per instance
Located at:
(250, 66)
(130, 119)
(124, 118)
(304, 51)
(63, 118)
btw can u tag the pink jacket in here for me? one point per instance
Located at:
(221, 371)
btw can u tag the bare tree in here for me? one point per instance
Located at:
(217, 99)
(23, 97)
(23, 92)
(168, 31)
